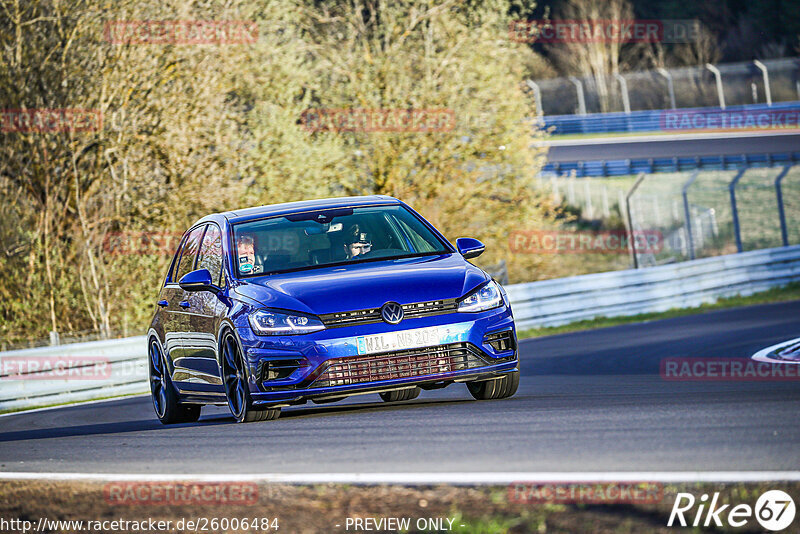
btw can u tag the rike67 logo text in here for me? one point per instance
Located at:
(774, 510)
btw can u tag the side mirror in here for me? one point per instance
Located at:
(469, 247)
(199, 280)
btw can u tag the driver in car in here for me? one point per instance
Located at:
(246, 254)
(358, 242)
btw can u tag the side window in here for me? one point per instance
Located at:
(189, 253)
(173, 266)
(210, 256)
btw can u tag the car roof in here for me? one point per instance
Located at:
(257, 212)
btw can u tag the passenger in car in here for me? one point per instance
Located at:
(357, 242)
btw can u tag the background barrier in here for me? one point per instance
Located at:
(653, 289)
(726, 85)
(122, 363)
(535, 304)
(625, 167)
(658, 121)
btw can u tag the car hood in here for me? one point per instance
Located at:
(365, 285)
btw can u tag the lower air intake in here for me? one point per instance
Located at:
(432, 361)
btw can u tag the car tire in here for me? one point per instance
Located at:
(500, 388)
(165, 399)
(400, 395)
(234, 376)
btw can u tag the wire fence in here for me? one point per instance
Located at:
(696, 214)
(733, 84)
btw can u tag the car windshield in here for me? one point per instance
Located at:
(330, 237)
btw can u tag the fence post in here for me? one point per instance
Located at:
(718, 77)
(581, 99)
(698, 221)
(537, 97)
(556, 194)
(631, 237)
(765, 74)
(587, 193)
(606, 208)
(623, 86)
(670, 87)
(732, 189)
(687, 214)
(781, 213)
(571, 190)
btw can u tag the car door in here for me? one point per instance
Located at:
(168, 298)
(177, 309)
(205, 307)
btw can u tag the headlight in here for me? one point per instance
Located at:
(484, 298)
(272, 323)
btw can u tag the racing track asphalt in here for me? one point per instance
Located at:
(588, 401)
(643, 148)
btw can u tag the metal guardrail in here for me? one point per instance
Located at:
(625, 167)
(659, 120)
(653, 289)
(82, 371)
(545, 303)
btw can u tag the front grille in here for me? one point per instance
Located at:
(373, 315)
(401, 364)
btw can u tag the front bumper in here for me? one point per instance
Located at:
(327, 364)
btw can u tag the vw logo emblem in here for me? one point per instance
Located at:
(392, 312)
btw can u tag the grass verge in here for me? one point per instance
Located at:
(326, 508)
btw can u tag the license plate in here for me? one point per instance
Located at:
(401, 340)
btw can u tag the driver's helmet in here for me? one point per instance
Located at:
(357, 242)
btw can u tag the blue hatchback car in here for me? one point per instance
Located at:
(277, 305)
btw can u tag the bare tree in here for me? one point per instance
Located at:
(597, 59)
